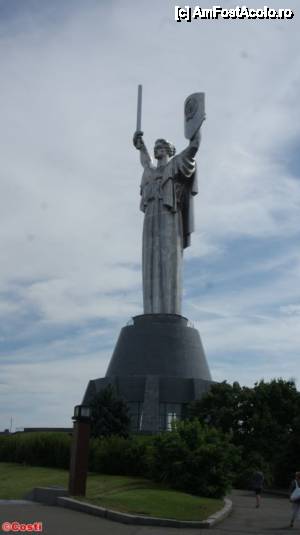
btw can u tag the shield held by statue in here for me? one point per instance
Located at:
(194, 114)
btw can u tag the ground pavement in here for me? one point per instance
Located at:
(271, 519)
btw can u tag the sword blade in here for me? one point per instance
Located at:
(139, 108)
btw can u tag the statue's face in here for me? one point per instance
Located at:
(160, 151)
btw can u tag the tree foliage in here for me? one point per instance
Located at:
(118, 455)
(263, 420)
(194, 458)
(109, 414)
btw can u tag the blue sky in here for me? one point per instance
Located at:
(70, 234)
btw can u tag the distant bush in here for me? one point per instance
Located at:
(118, 455)
(195, 458)
(36, 449)
(8, 448)
(109, 455)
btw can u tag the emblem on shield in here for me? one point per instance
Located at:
(194, 114)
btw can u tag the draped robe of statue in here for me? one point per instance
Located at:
(167, 202)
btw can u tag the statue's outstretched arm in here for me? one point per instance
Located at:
(140, 145)
(193, 145)
(185, 160)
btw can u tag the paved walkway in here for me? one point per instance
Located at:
(271, 519)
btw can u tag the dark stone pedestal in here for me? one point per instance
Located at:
(158, 366)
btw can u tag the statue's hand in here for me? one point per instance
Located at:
(197, 135)
(195, 140)
(138, 139)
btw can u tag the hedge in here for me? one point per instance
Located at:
(192, 457)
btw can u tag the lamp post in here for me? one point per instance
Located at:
(79, 451)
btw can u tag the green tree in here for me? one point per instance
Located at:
(228, 408)
(109, 414)
(287, 462)
(263, 420)
(275, 410)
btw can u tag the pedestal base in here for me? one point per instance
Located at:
(158, 366)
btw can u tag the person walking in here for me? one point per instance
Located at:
(295, 498)
(257, 485)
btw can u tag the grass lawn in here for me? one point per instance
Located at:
(17, 480)
(121, 493)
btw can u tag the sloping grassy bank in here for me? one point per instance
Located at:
(121, 493)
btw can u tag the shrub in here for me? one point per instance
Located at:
(118, 455)
(109, 455)
(37, 449)
(8, 448)
(195, 458)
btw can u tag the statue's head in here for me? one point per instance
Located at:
(163, 148)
